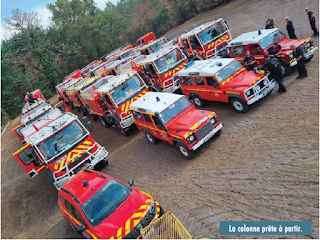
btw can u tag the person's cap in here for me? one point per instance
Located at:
(286, 18)
(306, 8)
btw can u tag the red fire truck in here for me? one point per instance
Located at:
(153, 46)
(111, 101)
(129, 53)
(208, 40)
(109, 68)
(60, 143)
(224, 80)
(100, 206)
(258, 42)
(37, 94)
(74, 74)
(73, 92)
(160, 69)
(172, 118)
(61, 90)
(145, 39)
(85, 71)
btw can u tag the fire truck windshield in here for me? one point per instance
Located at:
(228, 70)
(271, 38)
(156, 47)
(211, 33)
(174, 109)
(169, 61)
(127, 90)
(103, 203)
(61, 141)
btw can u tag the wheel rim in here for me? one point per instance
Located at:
(184, 151)
(197, 101)
(149, 137)
(237, 105)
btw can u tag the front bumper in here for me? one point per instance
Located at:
(306, 55)
(207, 137)
(262, 93)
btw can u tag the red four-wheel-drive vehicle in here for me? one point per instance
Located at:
(73, 92)
(159, 69)
(224, 80)
(208, 40)
(258, 42)
(37, 94)
(60, 143)
(61, 89)
(100, 206)
(145, 39)
(153, 46)
(172, 118)
(114, 99)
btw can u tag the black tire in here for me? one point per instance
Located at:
(197, 101)
(285, 69)
(93, 116)
(309, 59)
(151, 138)
(101, 165)
(161, 211)
(218, 133)
(239, 105)
(104, 122)
(122, 130)
(109, 119)
(185, 151)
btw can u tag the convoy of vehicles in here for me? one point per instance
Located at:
(116, 92)
(172, 118)
(258, 42)
(208, 40)
(224, 80)
(100, 206)
(59, 142)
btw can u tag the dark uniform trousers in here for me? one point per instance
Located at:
(279, 78)
(313, 26)
(302, 68)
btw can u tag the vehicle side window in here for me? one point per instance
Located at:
(108, 100)
(62, 199)
(157, 122)
(238, 50)
(137, 115)
(69, 206)
(77, 215)
(212, 82)
(147, 118)
(24, 156)
(254, 49)
(187, 81)
(185, 43)
(199, 80)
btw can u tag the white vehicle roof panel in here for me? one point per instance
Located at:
(251, 37)
(114, 82)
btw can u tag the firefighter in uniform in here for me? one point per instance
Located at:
(31, 99)
(273, 65)
(312, 20)
(274, 50)
(289, 25)
(249, 61)
(299, 55)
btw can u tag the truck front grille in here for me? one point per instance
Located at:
(135, 233)
(204, 130)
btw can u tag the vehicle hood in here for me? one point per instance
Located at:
(184, 123)
(132, 210)
(285, 43)
(244, 79)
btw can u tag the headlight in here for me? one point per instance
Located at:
(191, 138)
(213, 120)
(153, 206)
(265, 82)
(248, 93)
(257, 87)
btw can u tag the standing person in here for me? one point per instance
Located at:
(273, 25)
(312, 21)
(299, 55)
(31, 99)
(268, 25)
(249, 61)
(274, 50)
(289, 25)
(273, 65)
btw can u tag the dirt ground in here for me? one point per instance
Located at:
(263, 167)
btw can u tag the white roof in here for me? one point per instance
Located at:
(34, 113)
(200, 28)
(151, 43)
(72, 82)
(149, 103)
(205, 67)
(29, 106)
(154, 56)
(251, 37)
(116, 80)
(52, 127)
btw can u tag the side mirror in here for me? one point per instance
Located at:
(130, 181)
(88, 123)
(81, 228)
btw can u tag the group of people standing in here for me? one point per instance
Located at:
(289, 24)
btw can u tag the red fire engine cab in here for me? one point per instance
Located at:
(172, 118)
(224, 80)
(60, 143)
(258, 42)
(36, 94)
(61, 90)
(100, 206)
(145, 39)
(208, 40)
